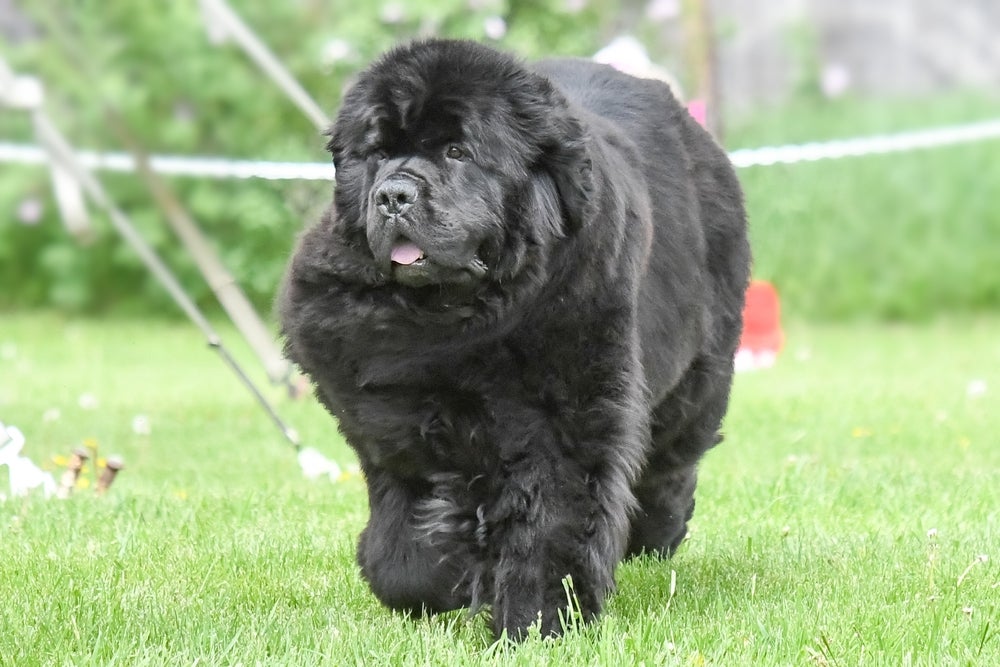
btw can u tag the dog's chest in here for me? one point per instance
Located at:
(466, 413)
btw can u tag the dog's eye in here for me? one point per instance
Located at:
(379, 155)
(455, 152)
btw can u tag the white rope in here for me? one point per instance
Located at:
(208, 167)
(873, 145)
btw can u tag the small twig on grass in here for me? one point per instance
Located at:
(673, 587)
(829, 651)
(932, 549)
(816, 656)
(981, 558)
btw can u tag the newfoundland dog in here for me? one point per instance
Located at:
(522, 309)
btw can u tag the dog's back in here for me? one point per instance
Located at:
(692, 293)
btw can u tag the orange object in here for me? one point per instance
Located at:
(762, 336)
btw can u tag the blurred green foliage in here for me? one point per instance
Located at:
(895, 237)
(181, 94)
(905, 236)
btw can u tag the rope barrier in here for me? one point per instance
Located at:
(209, 167)
(205, 167)
(872, 145)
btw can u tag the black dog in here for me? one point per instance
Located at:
(522, 310)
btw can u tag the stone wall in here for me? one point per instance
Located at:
(768, 47)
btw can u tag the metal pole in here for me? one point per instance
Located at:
(699, 34)
(222, 283)
(228, 23)
(62, 152)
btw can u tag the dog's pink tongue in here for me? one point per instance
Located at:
(406, 252)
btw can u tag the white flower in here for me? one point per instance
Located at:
(625, 53)
(835, 80)
(334, 51)
(29, 211)
(141, 425)
(663, 10)
(88, 401)
(976, 388)
(315, 465)
(392, 13)
(495, 27)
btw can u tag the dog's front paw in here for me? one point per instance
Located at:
(552, 607)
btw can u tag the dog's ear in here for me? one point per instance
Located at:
(568, 161)
(357, 125)
(565, 155)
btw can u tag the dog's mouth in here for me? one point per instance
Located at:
(413, 267)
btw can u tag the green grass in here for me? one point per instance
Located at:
(810, 544)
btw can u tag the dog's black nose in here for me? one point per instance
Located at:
(396, 195)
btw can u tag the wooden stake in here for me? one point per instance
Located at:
(68, 480)
(111, 468)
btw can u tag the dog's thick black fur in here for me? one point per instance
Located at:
(522, 310)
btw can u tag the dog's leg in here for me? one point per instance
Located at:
(406, 571)
(666, 504)
(553, 520)
(685, 425)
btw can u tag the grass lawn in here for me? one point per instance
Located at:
(844, 520)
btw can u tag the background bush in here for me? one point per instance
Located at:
(895, 237)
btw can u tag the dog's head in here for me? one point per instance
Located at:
(456, 165)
